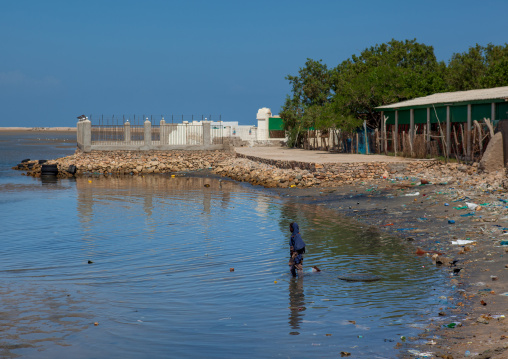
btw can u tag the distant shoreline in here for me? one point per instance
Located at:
(39, 129)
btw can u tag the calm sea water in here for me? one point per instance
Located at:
(160, 284)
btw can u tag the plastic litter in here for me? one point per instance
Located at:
(451, 221)
(467, 215)
(462, 242)
(472, 206)
(412, 194)
(419, 354)
(446, 204)
(405, 229)
(504, 243)
(463, 207)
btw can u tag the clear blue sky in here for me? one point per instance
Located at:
(60, 59)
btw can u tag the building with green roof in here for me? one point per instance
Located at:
(446, 108)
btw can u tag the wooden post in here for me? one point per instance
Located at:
(378, 142)
(383, 128)
(396, 138)
(403, 149)
(492, 112)
(468, 134)
(385, 137)
(411, 128)
(365, 136)
(357, 149)
(448, 132)
(428, 130)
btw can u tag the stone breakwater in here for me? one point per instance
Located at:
(264, 172)
(130, 162)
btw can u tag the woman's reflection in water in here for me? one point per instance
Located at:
(296, 304)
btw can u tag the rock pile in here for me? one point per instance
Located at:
(284, 174)
(130, 162)
(265, 172)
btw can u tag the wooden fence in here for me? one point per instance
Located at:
(425, 141)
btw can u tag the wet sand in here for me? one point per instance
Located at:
(38, 129)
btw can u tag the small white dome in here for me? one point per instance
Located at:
(264, 113)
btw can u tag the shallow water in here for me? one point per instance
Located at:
(160, 283)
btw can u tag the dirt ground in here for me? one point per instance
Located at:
(471, 245)
(289, 154)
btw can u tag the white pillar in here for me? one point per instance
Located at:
(207, 133)
(127, 132)
(87, 135)
(263, 116)
(163, 133)
(148, 133)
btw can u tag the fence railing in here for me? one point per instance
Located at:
(164, 136)
(139, 120)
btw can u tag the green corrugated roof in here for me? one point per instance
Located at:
(496, 94)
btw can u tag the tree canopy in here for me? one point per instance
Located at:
(344, 96)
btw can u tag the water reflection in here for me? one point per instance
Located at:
(49, 180)
(296, 304)
(94, 190)
(160, 281)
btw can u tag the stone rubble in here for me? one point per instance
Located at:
(267, 173)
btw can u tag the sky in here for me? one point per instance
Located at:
(61, 59)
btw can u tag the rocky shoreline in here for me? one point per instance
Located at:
(264, 172)
(455, 215)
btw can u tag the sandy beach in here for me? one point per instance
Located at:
(40, 129)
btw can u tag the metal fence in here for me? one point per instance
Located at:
(112, 133)
(139, 120)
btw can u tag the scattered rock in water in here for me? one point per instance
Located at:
(359, 277)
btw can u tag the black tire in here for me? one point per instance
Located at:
(49, 170)
(25, 160)
(71, 169)
(42, 161)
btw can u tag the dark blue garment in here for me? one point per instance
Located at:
(296, 240)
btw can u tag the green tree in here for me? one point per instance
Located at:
(386, 73)
(310, 91)
(479, 67)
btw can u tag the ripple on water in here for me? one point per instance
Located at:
(160, 281)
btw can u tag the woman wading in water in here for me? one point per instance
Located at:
(296, 250)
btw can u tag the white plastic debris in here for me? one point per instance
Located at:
(462, 242)
(420, 354)
(412, 194)
(472, 206)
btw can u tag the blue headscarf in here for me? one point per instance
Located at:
(296, 240)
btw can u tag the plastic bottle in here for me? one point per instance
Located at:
(467, 353)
